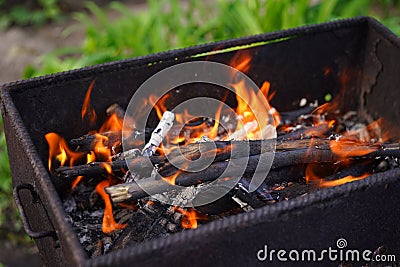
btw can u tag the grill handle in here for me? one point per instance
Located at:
(24, 218)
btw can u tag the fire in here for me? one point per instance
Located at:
(313, 177)
(87, 110)
(159, 105)
(107, 167)
(59, 150)
(190, 217)
(76, 181)
(241, 61)
(345, 147)
(102, 151)
(90, 157)
(253, 106)
(112, 124)
(172, 179)
(344, 180)
(109, 224)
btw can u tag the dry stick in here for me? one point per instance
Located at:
(86, 143)
(225, 150)
(138, 189)
(98, 168)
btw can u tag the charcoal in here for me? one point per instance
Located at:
(172, 228)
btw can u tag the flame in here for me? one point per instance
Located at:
(172, 179)
(253, 107)
(109, 224)
(183, 118)
(159, 105)
(58, 149)
(264, 90)
(76, 181)
(344, 147)
(90, 157)
(241, 61)
(190, 217)
(313, 177)
(87, 110)
(112, 124)
(107, 167)
(344, 180)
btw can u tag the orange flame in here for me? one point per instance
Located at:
(172, 179)
(87, 110)
(344, 180)
(112, 124)
(159, 105)
(312, 177)
(109, 224)
(241, 61)
(58, 149)
(107, 167)
(254, 106)
(90, 157)
(76, 181)
(190, 217)
(344, 147)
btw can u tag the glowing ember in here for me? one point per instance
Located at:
(190, 217)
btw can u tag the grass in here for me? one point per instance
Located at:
(171, 24)
(18, 14)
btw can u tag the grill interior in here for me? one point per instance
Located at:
(362, 58)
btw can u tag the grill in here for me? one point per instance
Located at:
(364, 212)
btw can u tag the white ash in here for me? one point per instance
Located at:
(159, 133)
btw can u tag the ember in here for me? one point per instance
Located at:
(316, 146)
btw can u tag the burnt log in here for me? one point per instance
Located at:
(217, 151)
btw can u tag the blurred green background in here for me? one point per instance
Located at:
(157, 25)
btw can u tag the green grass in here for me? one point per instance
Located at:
(5, 181)
(171, 24)
(18, 14)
